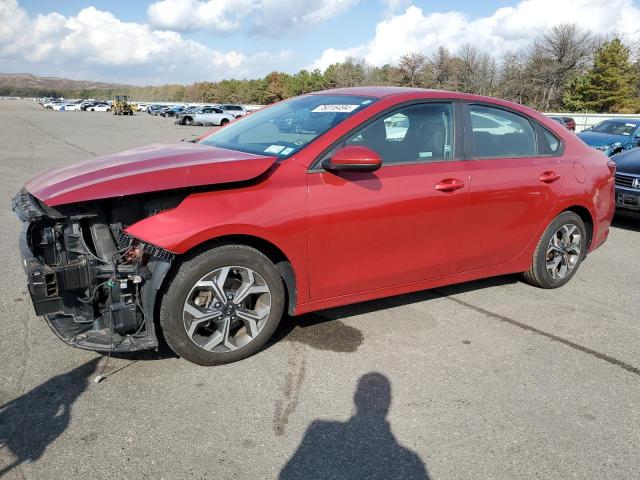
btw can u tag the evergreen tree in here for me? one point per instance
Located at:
(608, 86)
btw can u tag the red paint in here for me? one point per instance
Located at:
(357, 156)
(361, 235)
(146, 169)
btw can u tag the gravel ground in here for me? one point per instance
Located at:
(491, 379)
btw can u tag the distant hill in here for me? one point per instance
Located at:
(26, 81)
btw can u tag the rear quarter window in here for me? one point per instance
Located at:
(550, 143)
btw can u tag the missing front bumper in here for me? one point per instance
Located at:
(90, 301)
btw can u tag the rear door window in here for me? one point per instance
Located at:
(498, 133)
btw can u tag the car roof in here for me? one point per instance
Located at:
(380, 92)
(417, 93)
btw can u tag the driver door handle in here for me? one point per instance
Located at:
(449, 185)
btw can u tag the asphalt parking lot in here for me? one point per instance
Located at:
(491, 379)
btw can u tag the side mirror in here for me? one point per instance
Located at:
(353, 159)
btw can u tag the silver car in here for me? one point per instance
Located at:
(210, 116)
(236, 111)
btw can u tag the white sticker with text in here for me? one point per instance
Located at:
(335, 108)
(274, 149)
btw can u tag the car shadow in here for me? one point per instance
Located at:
(324, 329)
(31, 422)
(363, 447)
(161, 352)
(627, 220)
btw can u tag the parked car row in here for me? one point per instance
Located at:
(76, 105)
(199, 115)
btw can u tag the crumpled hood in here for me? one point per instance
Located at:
(597, 139)
(628, 161)
(146, 169)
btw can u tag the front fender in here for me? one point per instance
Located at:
(275, 210)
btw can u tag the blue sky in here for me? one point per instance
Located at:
(161, 41)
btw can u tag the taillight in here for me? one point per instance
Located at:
(612, 165)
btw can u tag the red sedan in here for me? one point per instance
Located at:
(322, 200)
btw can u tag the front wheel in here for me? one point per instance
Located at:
(222, 305)
(559, 253)
(224, 121)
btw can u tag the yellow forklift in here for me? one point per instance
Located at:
(122, 106)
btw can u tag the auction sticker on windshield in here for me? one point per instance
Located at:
(274, 149)
(335, 108)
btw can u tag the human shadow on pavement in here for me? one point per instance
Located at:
(31, 422)
(361, 448)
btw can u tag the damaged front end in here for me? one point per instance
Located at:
(95, 285)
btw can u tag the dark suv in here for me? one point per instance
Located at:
(628, 179)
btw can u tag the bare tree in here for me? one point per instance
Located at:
(411, 67)
(476, 71)
(553, 60)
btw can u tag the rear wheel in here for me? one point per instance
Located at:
(224, 121)
(222, 305)
(559, 252)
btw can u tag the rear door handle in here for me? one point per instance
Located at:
(549, 177)
(449, 185)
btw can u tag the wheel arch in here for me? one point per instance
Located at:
(270, 250)
(586, 217)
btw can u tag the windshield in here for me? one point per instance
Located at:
(288, 126)
(615, 128)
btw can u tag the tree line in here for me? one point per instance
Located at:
(566, 69)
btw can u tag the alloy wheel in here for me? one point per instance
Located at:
(226, 309)
(563, 251)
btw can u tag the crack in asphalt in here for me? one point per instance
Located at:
(581, 348)
(294, 377)
(57, 138)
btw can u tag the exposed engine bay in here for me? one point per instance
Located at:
(95, 284)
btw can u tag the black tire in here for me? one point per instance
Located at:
(191, 271)
(538, 275)
(187, 121)
(224, 121)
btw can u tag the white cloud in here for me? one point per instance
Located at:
(392, 6)
(506, 29)
(265, 17)
(184, 15)
(100, 45)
